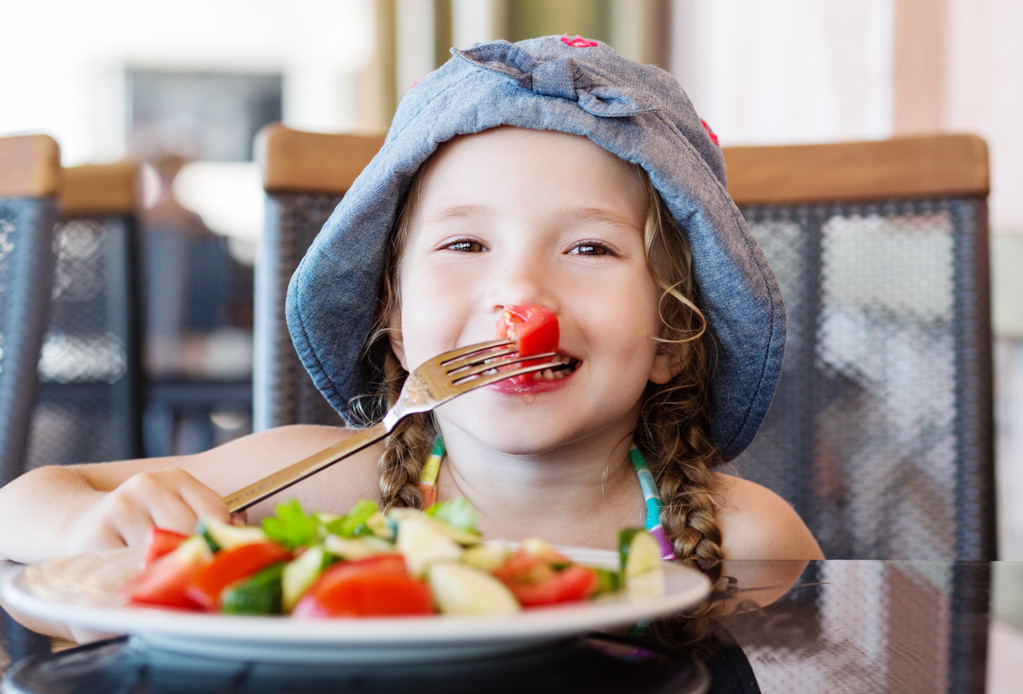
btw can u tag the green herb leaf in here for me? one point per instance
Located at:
(357, 521)
(458, 513)
(291, 526)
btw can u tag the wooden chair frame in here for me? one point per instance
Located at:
(292, 162)
(30, 178)
(96, 195)
(935, 165)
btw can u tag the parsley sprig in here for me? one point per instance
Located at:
(292, 526)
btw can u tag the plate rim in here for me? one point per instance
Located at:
(687, 587)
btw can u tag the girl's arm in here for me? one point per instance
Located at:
(60, 510)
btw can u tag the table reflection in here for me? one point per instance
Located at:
(836, 626)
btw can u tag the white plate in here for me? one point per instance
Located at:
(81, 592)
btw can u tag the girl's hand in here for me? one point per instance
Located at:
(169, 498)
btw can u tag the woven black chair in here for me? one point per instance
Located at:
(881, 431)
(29, 181)
(304, 175)
(88, 406)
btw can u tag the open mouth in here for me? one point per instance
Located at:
(562, 369)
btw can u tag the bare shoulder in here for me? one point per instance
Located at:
(756, 523)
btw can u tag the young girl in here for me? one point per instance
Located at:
(550, 172)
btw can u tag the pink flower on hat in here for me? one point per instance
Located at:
(713, 137)
(577, 41)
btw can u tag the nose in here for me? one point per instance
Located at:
(522, 282)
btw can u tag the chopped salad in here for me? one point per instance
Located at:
(371, 563)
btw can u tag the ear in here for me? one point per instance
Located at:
(396, 337)
(669, 360)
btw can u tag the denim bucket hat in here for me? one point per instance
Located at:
(572, 85)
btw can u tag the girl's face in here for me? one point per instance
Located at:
(515, 216)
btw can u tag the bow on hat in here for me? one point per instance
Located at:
(562, 77)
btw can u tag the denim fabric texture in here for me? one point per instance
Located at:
(637, 112)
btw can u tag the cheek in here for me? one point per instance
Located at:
(642, 316)
(427, 317)
(643, 306)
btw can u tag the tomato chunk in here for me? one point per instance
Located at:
(378, 586)
(159, 542)
(533, 328)
(167, 580)
(229, 566)
(536, 579)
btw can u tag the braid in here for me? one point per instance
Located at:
(673, 428)
(405, 448)
(401, 464)
(681, 459)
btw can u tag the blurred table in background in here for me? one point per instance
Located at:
(201, 394)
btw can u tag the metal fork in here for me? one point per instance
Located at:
(436, 381)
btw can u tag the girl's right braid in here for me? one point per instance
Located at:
(681, 457)
(689, 517)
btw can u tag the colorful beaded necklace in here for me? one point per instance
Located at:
(431, 470)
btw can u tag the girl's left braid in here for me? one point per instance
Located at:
(405, 449)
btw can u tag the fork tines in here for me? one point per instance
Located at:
(473, 354)
(498, 367)
(479, 359)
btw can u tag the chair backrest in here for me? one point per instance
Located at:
(29, 183)
(304, 175)
(88, 407)
(881, 430)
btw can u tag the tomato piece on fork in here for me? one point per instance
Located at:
(534, 329)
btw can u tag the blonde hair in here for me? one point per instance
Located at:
(673, 428)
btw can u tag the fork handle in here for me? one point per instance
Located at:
(284, 478)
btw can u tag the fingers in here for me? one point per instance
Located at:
(176, 500)
(171, 499)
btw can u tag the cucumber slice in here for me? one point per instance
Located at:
(486, 555)
(641, 569)
(380, 526)
(259, 595)
(638, 552)
(352, 548)
(220, 535)
(300, 573)
(423, 544)
(610, 581)
(459, 535)
(462, 590)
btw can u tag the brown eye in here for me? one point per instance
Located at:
(466, 246)
(590, 248)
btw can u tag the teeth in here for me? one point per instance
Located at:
(555, 374)
(552, 374)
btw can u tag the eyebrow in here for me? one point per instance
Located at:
(457, 212)
(584, 214)
(597, 214)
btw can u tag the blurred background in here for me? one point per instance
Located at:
(183, 88)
